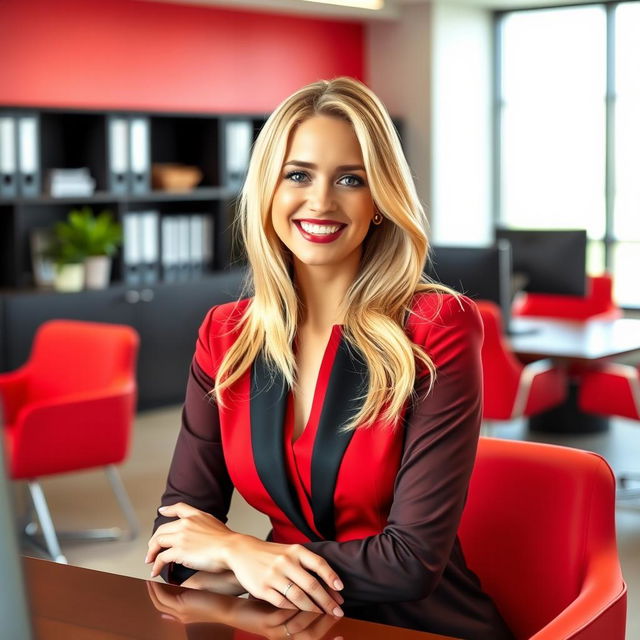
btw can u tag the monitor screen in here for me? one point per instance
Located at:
(548, 261)
(478, 272)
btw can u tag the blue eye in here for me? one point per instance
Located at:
(296, 176)
(354, 181)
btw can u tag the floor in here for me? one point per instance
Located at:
(74, 499)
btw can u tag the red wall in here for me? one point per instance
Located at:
(133, 54)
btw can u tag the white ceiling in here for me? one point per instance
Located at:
(390, 11)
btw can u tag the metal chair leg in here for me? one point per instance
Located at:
(123, 501)
(46, 524)
(112, 533)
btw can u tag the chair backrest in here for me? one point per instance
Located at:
(538, 523)
(598, 302)
(500, 368)
(70, 356)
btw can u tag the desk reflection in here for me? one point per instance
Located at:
(202, 611)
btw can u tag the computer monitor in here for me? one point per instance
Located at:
(548, 261)
(478, 272)
(14, 611)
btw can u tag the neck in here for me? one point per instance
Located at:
(322, 290)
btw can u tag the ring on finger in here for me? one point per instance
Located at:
(284, 593)
(287, 632)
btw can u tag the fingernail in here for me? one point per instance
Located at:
(161, 509)
(338, 585)
(338, 612)
(146, 559)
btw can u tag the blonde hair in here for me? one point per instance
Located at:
(391, 270)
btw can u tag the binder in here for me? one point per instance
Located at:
(196, 244)
(184, 263)
(237, 145)
(8, 156)
(28, 146)
(118, 158)
(169, 249)
(139, 154)
(149, 231)
(132, 248)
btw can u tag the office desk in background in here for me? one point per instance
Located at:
(577, 345)
(71, 602)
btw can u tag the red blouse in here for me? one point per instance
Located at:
(382, 506)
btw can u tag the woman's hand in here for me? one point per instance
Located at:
(195, 540)
(281, 574)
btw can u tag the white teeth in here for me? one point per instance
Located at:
(318, 229)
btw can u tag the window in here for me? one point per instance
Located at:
(569, 130)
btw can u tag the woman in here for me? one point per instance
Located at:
(344, 395)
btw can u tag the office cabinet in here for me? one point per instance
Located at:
(166, 316)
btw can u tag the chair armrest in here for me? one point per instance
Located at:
(13, 392)
(598, 612)
(529, 372)
(79, 431)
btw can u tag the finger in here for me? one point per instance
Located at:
(163, 541)
(276, 599)
(315, 590)
(336, 595)
(180, 509)
(300, 598)
(153, 546)
(163, 559)
(320, 566)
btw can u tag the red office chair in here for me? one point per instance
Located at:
(539, 531)
(71, 407)
(598, 303)
(512, 389)
(613, 390)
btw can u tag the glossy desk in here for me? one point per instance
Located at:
(581, 344)
(69, 603)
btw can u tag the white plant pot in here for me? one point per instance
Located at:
(97, 272)
(69, 277)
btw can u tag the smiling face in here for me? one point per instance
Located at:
(322, 206)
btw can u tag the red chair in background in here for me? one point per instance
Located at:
(71, 407)
(512, 389)
(538, 529)
(598, 303)
(613, 390)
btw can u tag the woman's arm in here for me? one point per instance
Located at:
(406, 560)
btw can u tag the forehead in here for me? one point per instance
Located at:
(324, 139)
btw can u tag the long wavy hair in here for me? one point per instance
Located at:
(394, 255)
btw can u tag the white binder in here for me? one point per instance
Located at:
(118, 160)
(139, 154)
(28, 164)
(149, 235)
(8, 156)
(132, 248)
(238, 139)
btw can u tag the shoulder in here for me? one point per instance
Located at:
(434, 311)
(448, 327)
(217, 333)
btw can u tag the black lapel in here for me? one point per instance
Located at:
(348, 379)
(267, 406)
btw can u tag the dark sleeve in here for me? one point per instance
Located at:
(405, 561)
(198, 474)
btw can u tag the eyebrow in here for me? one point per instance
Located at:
(310, 165)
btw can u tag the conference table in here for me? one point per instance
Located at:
(577, 346)
(71, 602)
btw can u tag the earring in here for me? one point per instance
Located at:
(377, 218)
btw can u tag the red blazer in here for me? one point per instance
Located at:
(381, 506)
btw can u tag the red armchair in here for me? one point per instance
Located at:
(613, 390)
(539, 531)
(598, 303)
(71, 407)
(512, 389)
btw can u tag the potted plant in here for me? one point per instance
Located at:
(68, 258)
(91, 239)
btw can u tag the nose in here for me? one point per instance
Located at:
(321, 196)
